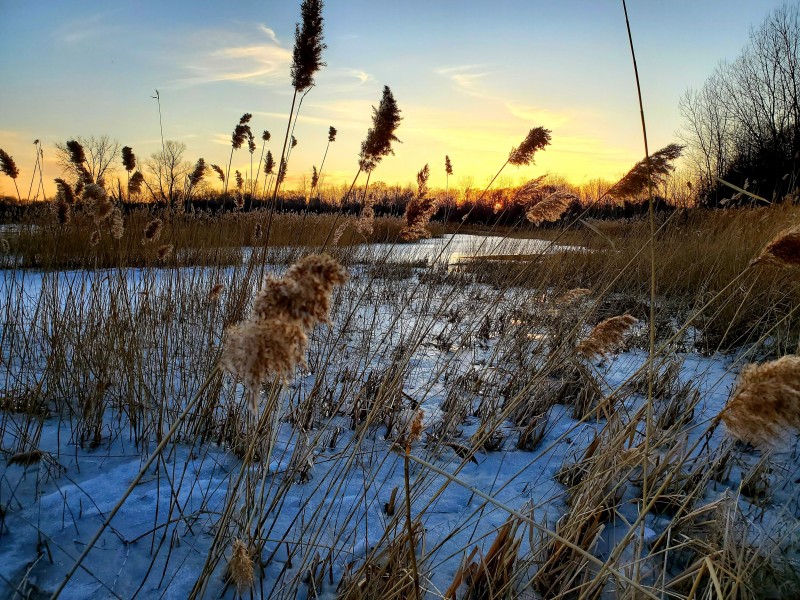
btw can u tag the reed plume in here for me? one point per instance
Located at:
(153, 230)
(77, 157)
(419, 210)
(448, 166)
(240, 567)
(135, 184)
(9, 167)
(551, 208)
(197, 174)
(62, 210)
(537, 139)
(117, 224)
(314, 177)
(764, 409)
(646, 172)
(220, 173)
(273, 340)
(97, 202)
(128, 159)
(308, 46)
(94, 239)
(366, 220)
(378, 143)
(164, 251)
(215, 292)
(282, 171)
(239, 181)
(240, 134)
(265, 136)
(64, 191)
(783, 250)
(269, 164)
(332, 134)
(422, 180)
(294, 142)
(606, 336)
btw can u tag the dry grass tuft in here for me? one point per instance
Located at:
(153, 230)
(26, 459)
(765, 408)
(606, 336)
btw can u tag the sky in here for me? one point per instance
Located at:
(471, 79)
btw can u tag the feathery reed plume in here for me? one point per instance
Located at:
(153, 230)
(117, 224)
(274, 340)
(266, 135)
(165, 251)
(197, 174)
(551, 208)
(308, 46)
(366, 220)
(220, 173)
(62, 209)
(654, 171)
(240, 567)
(135, 184)
(294, 142)
(783, 250)
(239, 180)
(251, 142)
(302, 295)
(606, 336)
(256, 348)
(78, 158)
(258, 231)
(536, 140)
(97, 201)
(26, 459)
(448, 166)
(9, 167)
(765, 407)
(422, 180)
(415, 431)
(338, 234)
(94, 239)
(282, 171)
(378, 143)
(215, 292)
(64, 191)
(128, 159)
(314, 177)
(240, 133)
(332, 134)
(269, 164)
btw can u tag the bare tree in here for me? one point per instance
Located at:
(168, 171)
(101, 153)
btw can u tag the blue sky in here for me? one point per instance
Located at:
(471, 78)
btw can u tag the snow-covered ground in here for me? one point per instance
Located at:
(445, 339)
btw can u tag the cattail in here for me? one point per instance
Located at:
(536, 140)
(26, 459)
(94, 239)
(258, 348)
(128, 159)
(240, 567)
(765, 407)
(302, 295)
(332, 134)
(62, 210)
(164, 251)
(378, 143)
(135, 184)
(551, 208)
(153, 230)
(308, 46)
(117, 224)
(220, 172)
(215, 292)
(646, 172)
(64, 191)
(606, 336)
(7, 165)
(783, 250)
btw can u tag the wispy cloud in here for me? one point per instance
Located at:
(221, 56)
(80, 30)
(467, 79)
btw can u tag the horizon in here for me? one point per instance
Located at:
(471, 94)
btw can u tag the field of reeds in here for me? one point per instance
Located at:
(255, 402)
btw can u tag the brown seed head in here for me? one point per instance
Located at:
(215, 292)
(783, 250)
(117, 224)
(164, 251)
(153, 230)
(240, 567)
(606, 336)
(95, 238)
